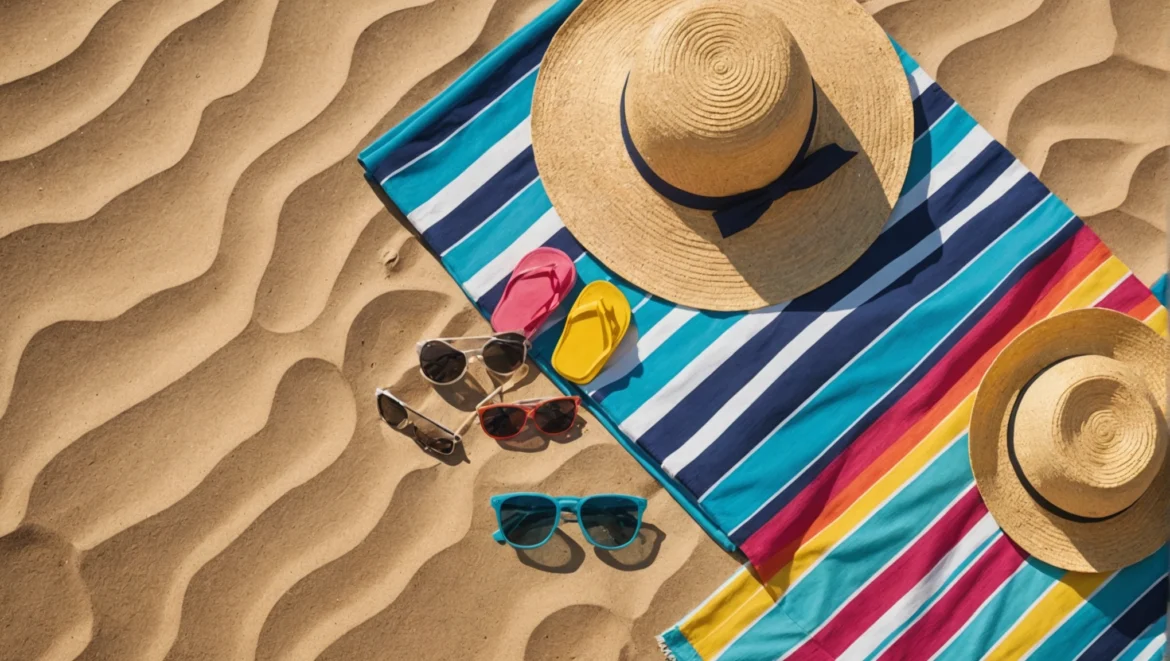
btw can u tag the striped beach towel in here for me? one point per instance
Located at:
(824, 438)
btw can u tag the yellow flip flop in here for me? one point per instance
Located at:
(593, 329)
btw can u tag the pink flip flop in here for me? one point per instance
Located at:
(539, 283)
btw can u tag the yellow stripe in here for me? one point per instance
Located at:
(741, 593)
(1157, 320)
(1065, 596)
(1093, 287)
(712, 628)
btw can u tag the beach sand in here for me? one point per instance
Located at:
(201, 294)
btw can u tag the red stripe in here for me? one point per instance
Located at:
(1125, 296)
(948, 615)
(771, 547)
(872, 601)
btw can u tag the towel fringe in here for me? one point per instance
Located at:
(665, 649)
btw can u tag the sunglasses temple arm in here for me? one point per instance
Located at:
(516, 377)
(424, 416)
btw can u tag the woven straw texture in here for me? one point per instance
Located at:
(1090, 435)
(718, 102)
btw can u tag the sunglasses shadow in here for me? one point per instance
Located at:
(561, 555)
(639, 555)
(534, 440)
(464, 394)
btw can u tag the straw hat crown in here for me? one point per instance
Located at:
(1087, 436)
(719, 96)
(722, 154)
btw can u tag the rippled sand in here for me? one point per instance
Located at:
(201, 293)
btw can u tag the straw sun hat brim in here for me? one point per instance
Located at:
(803, 240)
(1134, 534)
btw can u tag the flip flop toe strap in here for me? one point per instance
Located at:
(605, 312)
(549, 270)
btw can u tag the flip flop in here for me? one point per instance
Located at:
(594, 327)
(538, 284)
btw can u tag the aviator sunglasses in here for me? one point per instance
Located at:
(528, 520)
(442, 364)
(555, 415)
(442, 439)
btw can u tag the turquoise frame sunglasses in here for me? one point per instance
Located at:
(527, 520)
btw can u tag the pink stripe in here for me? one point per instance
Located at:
(791, 522)
(1125, 296)
(868, 604)
(948, 615)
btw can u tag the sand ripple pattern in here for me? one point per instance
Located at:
(201, 294)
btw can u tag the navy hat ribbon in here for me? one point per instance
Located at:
(735, 213)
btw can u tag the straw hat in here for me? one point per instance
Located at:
(662, 128)
(1068, 440)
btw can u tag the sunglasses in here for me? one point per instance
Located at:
(551, 416)
(443, 439)
(442, 364)
(528, 520)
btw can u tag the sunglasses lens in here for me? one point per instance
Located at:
(391, 411)
(610, 521)
(441, 445)
(441, 363)
(555, 417)
(527, 520)
(504, 354)
(502, 421)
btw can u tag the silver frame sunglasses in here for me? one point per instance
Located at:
(456, 435)
(471, 354)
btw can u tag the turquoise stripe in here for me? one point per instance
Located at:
(1096, 614)
(938, 594)
(878, 369)
(679, 646)
(1161, 289)
(650, 313)
(455, 95)
(667, 361)
(856, 558)
(1143, 641)
(493, 237)
(428, 175)
(937, 143)
(1002, 611)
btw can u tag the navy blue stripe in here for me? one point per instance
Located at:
(929, 106)
(478, 99)
(562, 240)
(1144, 612)
(672, 430)
(846, 340)
(485, 201)
(866, 421)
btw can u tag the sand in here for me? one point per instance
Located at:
(200, 295)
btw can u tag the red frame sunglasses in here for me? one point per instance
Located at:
(530, 408)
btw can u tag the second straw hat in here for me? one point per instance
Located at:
(1068, 440)
(723, 154)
